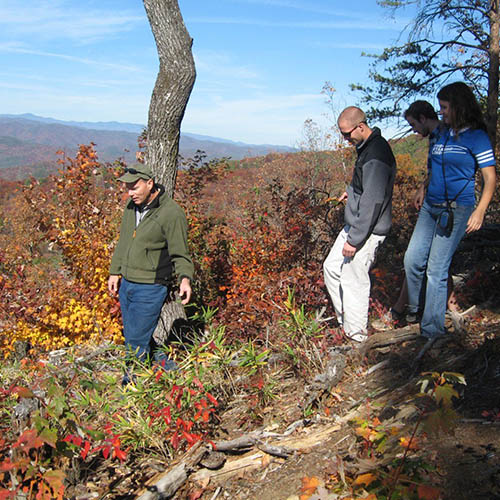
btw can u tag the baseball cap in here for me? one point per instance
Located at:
(136, 172)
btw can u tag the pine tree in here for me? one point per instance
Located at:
(447, 40)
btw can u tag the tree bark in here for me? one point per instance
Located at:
(171, 93)
(493, 77)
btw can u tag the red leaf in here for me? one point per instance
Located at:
(198, 383)
(7, 465)
(85, 450)
(212, 399)
(28, 439)
(120, 454)
(24, 392)
(175, 440)
(195, 495)
(5, 494)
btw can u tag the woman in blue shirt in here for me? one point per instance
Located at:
(448, 210)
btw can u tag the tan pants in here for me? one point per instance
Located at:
(348, 282)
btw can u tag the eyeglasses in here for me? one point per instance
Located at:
(133, 171)
(346, 135)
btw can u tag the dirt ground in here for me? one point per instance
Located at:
(467, 462)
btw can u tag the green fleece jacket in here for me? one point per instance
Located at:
(157, 248)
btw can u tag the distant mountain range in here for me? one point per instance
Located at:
(28, 143)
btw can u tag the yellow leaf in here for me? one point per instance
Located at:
(365, 479)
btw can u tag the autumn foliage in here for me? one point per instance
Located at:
(57, 238)
(259, 231)
(258, 228)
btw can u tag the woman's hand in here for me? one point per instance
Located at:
(475, 221)
(489, 181)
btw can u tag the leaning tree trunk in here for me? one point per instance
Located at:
(493, 78)
(173, 87)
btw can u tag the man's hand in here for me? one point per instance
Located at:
(185, 290)
(342, 197)
(114, 284)
(348, 250)
(418, 199)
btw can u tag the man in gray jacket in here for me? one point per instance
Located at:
(368, 217)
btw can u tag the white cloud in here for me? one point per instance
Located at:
(17, 48)
(54, 19)
(399, 21)
(349, 45)
(255, 120)
(222, 66)
(327, 25)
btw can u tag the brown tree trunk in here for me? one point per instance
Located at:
(493, 78)
(173, 87)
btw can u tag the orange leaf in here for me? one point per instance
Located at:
(365, 479)
(426, 492)
(309, 486)
(406, 443)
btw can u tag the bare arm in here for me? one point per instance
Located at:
(476, 219)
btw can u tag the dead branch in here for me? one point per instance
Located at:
(275, 451)
(167, 485)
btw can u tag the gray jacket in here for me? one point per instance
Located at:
(369, 202)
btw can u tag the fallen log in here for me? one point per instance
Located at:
(389, 337)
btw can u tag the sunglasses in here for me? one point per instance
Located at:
(346, 135)
(133, 171)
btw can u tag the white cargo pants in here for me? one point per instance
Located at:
(348, 282)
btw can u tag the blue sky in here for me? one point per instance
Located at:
(261, 64)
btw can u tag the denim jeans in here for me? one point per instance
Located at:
(141, 305)
(429, 253)
(348, 282)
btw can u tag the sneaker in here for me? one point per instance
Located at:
(357, 337)
(167, 364)
(411, 318)
(391, 319)
(128, 378)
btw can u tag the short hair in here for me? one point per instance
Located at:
(421, 108)
(353, 115)
(465, 109)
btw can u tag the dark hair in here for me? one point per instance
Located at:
(421, 108)
(465, 110)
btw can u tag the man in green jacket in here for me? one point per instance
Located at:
(151, 248)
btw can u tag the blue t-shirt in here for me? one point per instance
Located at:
(460, 153)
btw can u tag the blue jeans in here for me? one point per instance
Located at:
(141, 305)
(429, 252)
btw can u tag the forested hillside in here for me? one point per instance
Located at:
(260, 330)
(28, 144)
